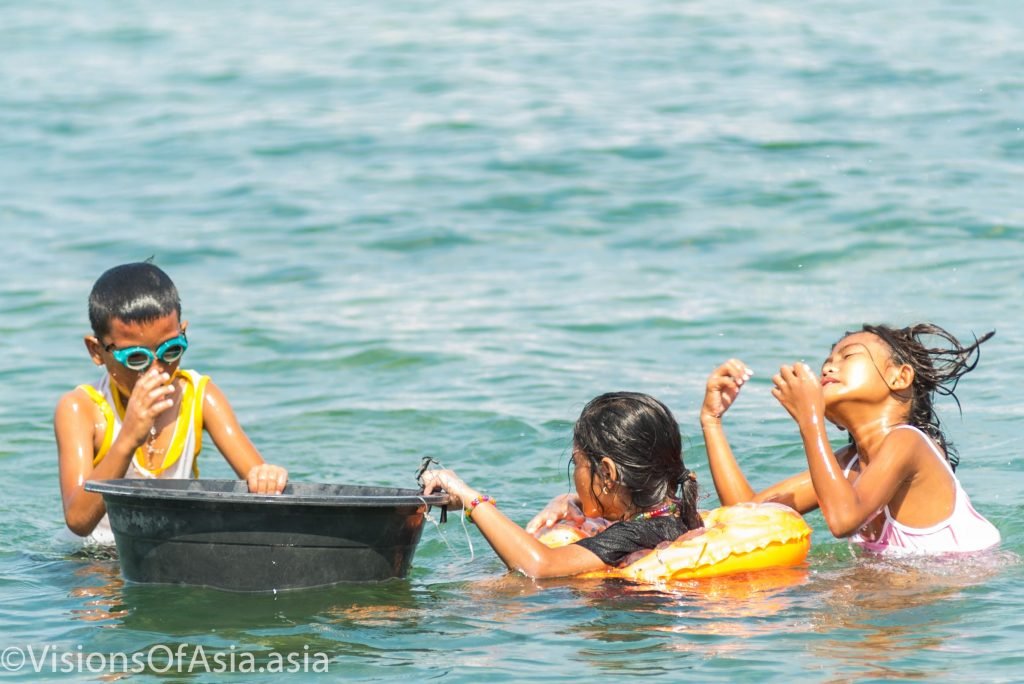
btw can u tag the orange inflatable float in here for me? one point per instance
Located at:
(741, 538)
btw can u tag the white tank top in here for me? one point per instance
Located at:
(180, 459)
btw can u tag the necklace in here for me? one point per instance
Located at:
(667, 509)
(151, 450)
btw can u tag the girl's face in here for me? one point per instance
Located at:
(860, 366)
(600, 497)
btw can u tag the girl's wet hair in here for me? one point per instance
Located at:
(135, 293)
(937, 370)
(640, 435)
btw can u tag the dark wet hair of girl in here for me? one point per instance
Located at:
(937, 370)
(640, 435)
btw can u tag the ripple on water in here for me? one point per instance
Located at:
(404, 231)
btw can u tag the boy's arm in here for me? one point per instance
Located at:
(221, 423)
(74, 424)
(73, 427)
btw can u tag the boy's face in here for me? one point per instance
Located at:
(150, 335)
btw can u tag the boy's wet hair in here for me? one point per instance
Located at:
(937, 370)
(640, 435)
(135, 293)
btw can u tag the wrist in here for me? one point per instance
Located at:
(710, 420)
(476, 502)
(128, 442)
(811, 424)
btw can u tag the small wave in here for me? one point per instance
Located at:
(421, 242)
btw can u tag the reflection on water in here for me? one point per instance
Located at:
(878, 613)
(100, 594)
(865, 617)
(261, 624)
(636, 630)
(177, 610)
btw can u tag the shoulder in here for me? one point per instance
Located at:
(907, 447)
(211, 390)
(906, 437)
(75, 415)
(75, 402)
(216, 406)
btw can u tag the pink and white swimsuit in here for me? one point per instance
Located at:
(965, 530)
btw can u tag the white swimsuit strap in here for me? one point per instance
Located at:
(957, 498)
(889, 519)
(849, 466)
(931, 443)
(927, 438)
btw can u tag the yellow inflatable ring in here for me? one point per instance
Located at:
(741, 538)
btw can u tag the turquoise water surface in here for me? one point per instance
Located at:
(408, 228)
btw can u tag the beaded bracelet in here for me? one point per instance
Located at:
(483, 498)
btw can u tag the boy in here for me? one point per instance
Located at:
(144, 418)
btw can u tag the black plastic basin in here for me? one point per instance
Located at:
(215, 533)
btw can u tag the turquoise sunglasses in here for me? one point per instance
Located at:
(138, 359)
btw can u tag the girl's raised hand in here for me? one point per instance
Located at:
(459, 493)
(562, 507)
(798, 389)
(723, 387)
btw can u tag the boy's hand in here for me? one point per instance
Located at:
(151, 396)
(562, 507)
(723, 387)
(267, 479)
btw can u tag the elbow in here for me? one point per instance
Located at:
(80, 527)
(732, 500)
(842, 532)
(534, 569)
(842, 526)
(537, 565)
(731, 493)
(729, 496)
(81, 522)
(784, 498)
(543, 573)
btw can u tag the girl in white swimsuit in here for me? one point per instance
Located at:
(892, 489)
(964, 530)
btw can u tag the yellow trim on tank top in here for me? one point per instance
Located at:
(197, 420)
(108, 415)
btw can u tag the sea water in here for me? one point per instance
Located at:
(414, 229)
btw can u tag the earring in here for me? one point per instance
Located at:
(604, 490)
